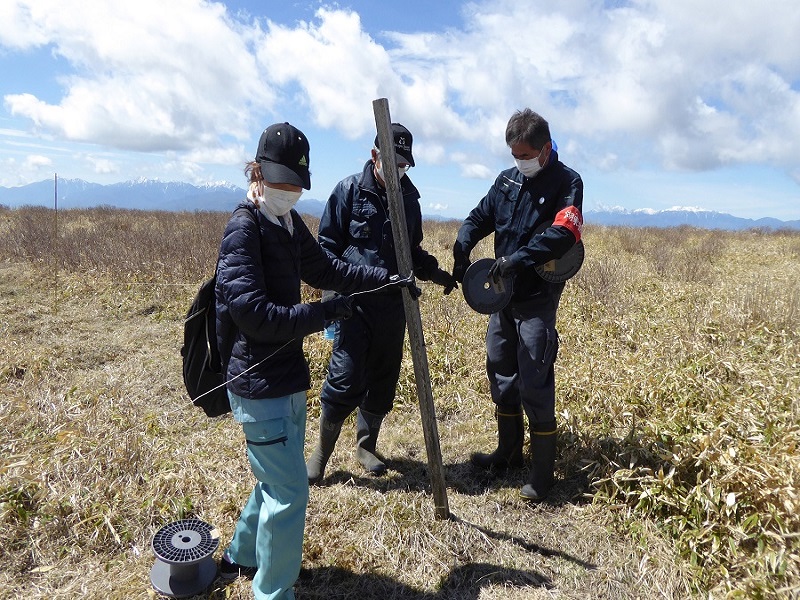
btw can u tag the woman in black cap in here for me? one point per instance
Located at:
(266, 250)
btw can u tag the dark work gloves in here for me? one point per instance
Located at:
(460, 262)
(407, 283)
(505, 266)
(444, 279)
(336, 308)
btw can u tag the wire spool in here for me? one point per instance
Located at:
(481, 293)
(184, 558)
(559, 270)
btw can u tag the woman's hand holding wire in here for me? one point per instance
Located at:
(337, 308)
(406, 282)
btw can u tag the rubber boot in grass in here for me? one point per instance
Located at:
(543, 451)
(328, 434)
(368, 426)
(510, 437)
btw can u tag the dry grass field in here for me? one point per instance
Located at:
(678, 387)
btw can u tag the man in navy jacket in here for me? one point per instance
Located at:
(368, 348)
(521, 339)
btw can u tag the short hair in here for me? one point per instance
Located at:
(526, 126)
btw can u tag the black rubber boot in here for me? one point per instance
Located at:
(510, 437)
(543, 449)
(368, 426)
(328, 434)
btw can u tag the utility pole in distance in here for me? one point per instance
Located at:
(416, 339)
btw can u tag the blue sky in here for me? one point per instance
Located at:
(657, 103)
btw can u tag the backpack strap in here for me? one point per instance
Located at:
(255, 220)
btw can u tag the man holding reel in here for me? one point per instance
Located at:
(534, 211)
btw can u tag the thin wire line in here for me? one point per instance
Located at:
(161, 284)
(247, 370)
(408, 279)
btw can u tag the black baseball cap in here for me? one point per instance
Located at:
(283, 155)
(402, 142)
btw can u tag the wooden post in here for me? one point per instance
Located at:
(419, 355)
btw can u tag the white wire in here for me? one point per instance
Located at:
(408, 279)
(247, 370)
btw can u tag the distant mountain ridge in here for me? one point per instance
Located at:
(142, 194)
(679, 215)
(149, 194)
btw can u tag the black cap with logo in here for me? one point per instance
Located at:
(402, 142)
(283, 155)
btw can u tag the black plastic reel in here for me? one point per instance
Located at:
(560, 269)
(481, 293)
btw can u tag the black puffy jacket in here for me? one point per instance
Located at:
(514, 208)
(261, 321)
(355, 224)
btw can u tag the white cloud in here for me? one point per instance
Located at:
(477, 171)
(15, 172)
(103, 166)
(231, 154)
(35, 162)
(175, 81)
(685, 84)
(338, 68)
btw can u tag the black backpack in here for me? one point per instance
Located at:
(203, 373)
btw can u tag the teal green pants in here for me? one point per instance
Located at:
(269, 533)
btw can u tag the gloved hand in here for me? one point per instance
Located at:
(460, 262)
(444, 279)
(336, 308)
(407, 283)
(505, 266)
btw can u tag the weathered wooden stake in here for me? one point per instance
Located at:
(419, 355)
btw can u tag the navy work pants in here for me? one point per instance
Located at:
(521, 348)
(365, 362)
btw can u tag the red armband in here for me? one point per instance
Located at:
(571, 218)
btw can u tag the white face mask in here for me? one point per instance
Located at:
(400, 172)
(530, 167)
(280, 202)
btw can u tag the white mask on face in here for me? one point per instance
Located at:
(400, 172)
(280, 202)
(530, 167)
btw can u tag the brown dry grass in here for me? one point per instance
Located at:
(678, 385)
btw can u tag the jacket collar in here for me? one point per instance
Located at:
(368, 183)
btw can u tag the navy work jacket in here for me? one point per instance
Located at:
(355, 224)
(261, 320)
(513, 209)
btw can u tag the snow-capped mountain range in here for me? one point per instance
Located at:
(682, 215)
(149, 194)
